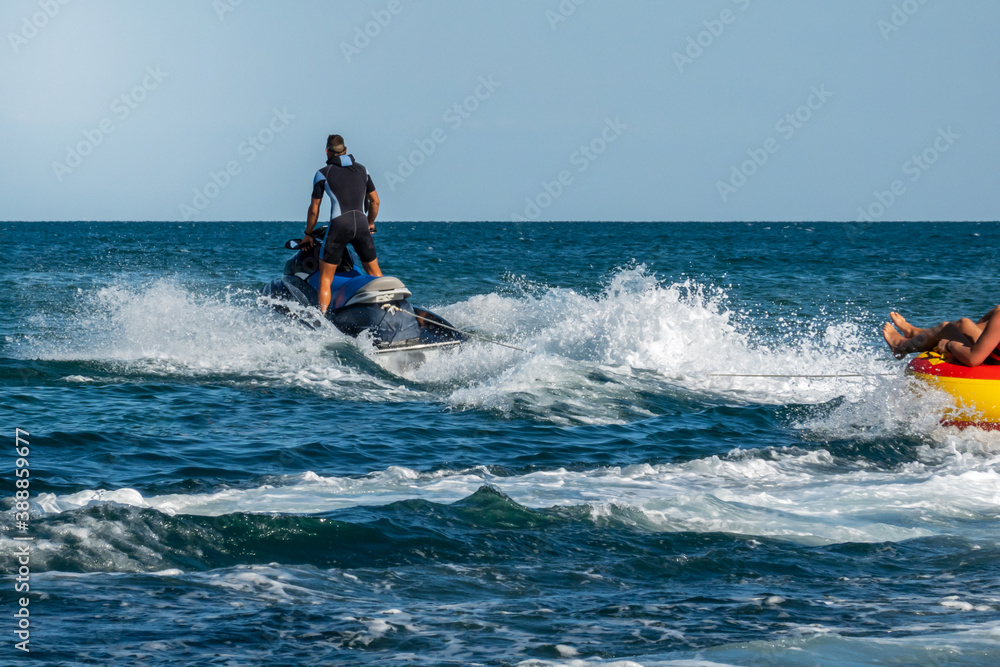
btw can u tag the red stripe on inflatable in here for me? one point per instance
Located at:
(986, 426)
(931, 363)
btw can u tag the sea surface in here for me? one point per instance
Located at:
(214, 484)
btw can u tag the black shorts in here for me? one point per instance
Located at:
(351, 227)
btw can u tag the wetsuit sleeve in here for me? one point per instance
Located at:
(370, 186)
(319, 185)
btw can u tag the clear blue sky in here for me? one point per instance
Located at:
(122, 109)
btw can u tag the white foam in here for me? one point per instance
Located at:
(794, 496)
(936, 644)
(683, 334)
(170, 572)
(166, 329)
(587, 357)
(612, 663)
(566, 651)
(263, 582)
(953, 602)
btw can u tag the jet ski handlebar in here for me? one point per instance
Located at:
(317, 234)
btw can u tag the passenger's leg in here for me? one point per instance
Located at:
(326, 272)
(968, 327)
(964, 330)
(908, 330)
(371, 268)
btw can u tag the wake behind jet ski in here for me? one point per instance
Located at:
(379, 305)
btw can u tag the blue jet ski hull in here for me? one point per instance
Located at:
(361, 303)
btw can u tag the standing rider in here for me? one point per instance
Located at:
(351, 192)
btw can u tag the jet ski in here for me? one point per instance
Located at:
(360, 303)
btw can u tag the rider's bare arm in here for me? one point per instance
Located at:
(373, 202)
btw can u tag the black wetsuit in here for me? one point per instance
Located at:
(348, 184)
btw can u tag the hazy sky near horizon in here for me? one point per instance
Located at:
(628, 110)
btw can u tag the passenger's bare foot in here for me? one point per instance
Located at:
(894, 339)
(908, 330)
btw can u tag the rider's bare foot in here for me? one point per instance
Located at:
(894, 339)
(908, 330)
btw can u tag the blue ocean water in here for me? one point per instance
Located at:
(214, 484)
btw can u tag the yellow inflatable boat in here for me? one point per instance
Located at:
(976, 390)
